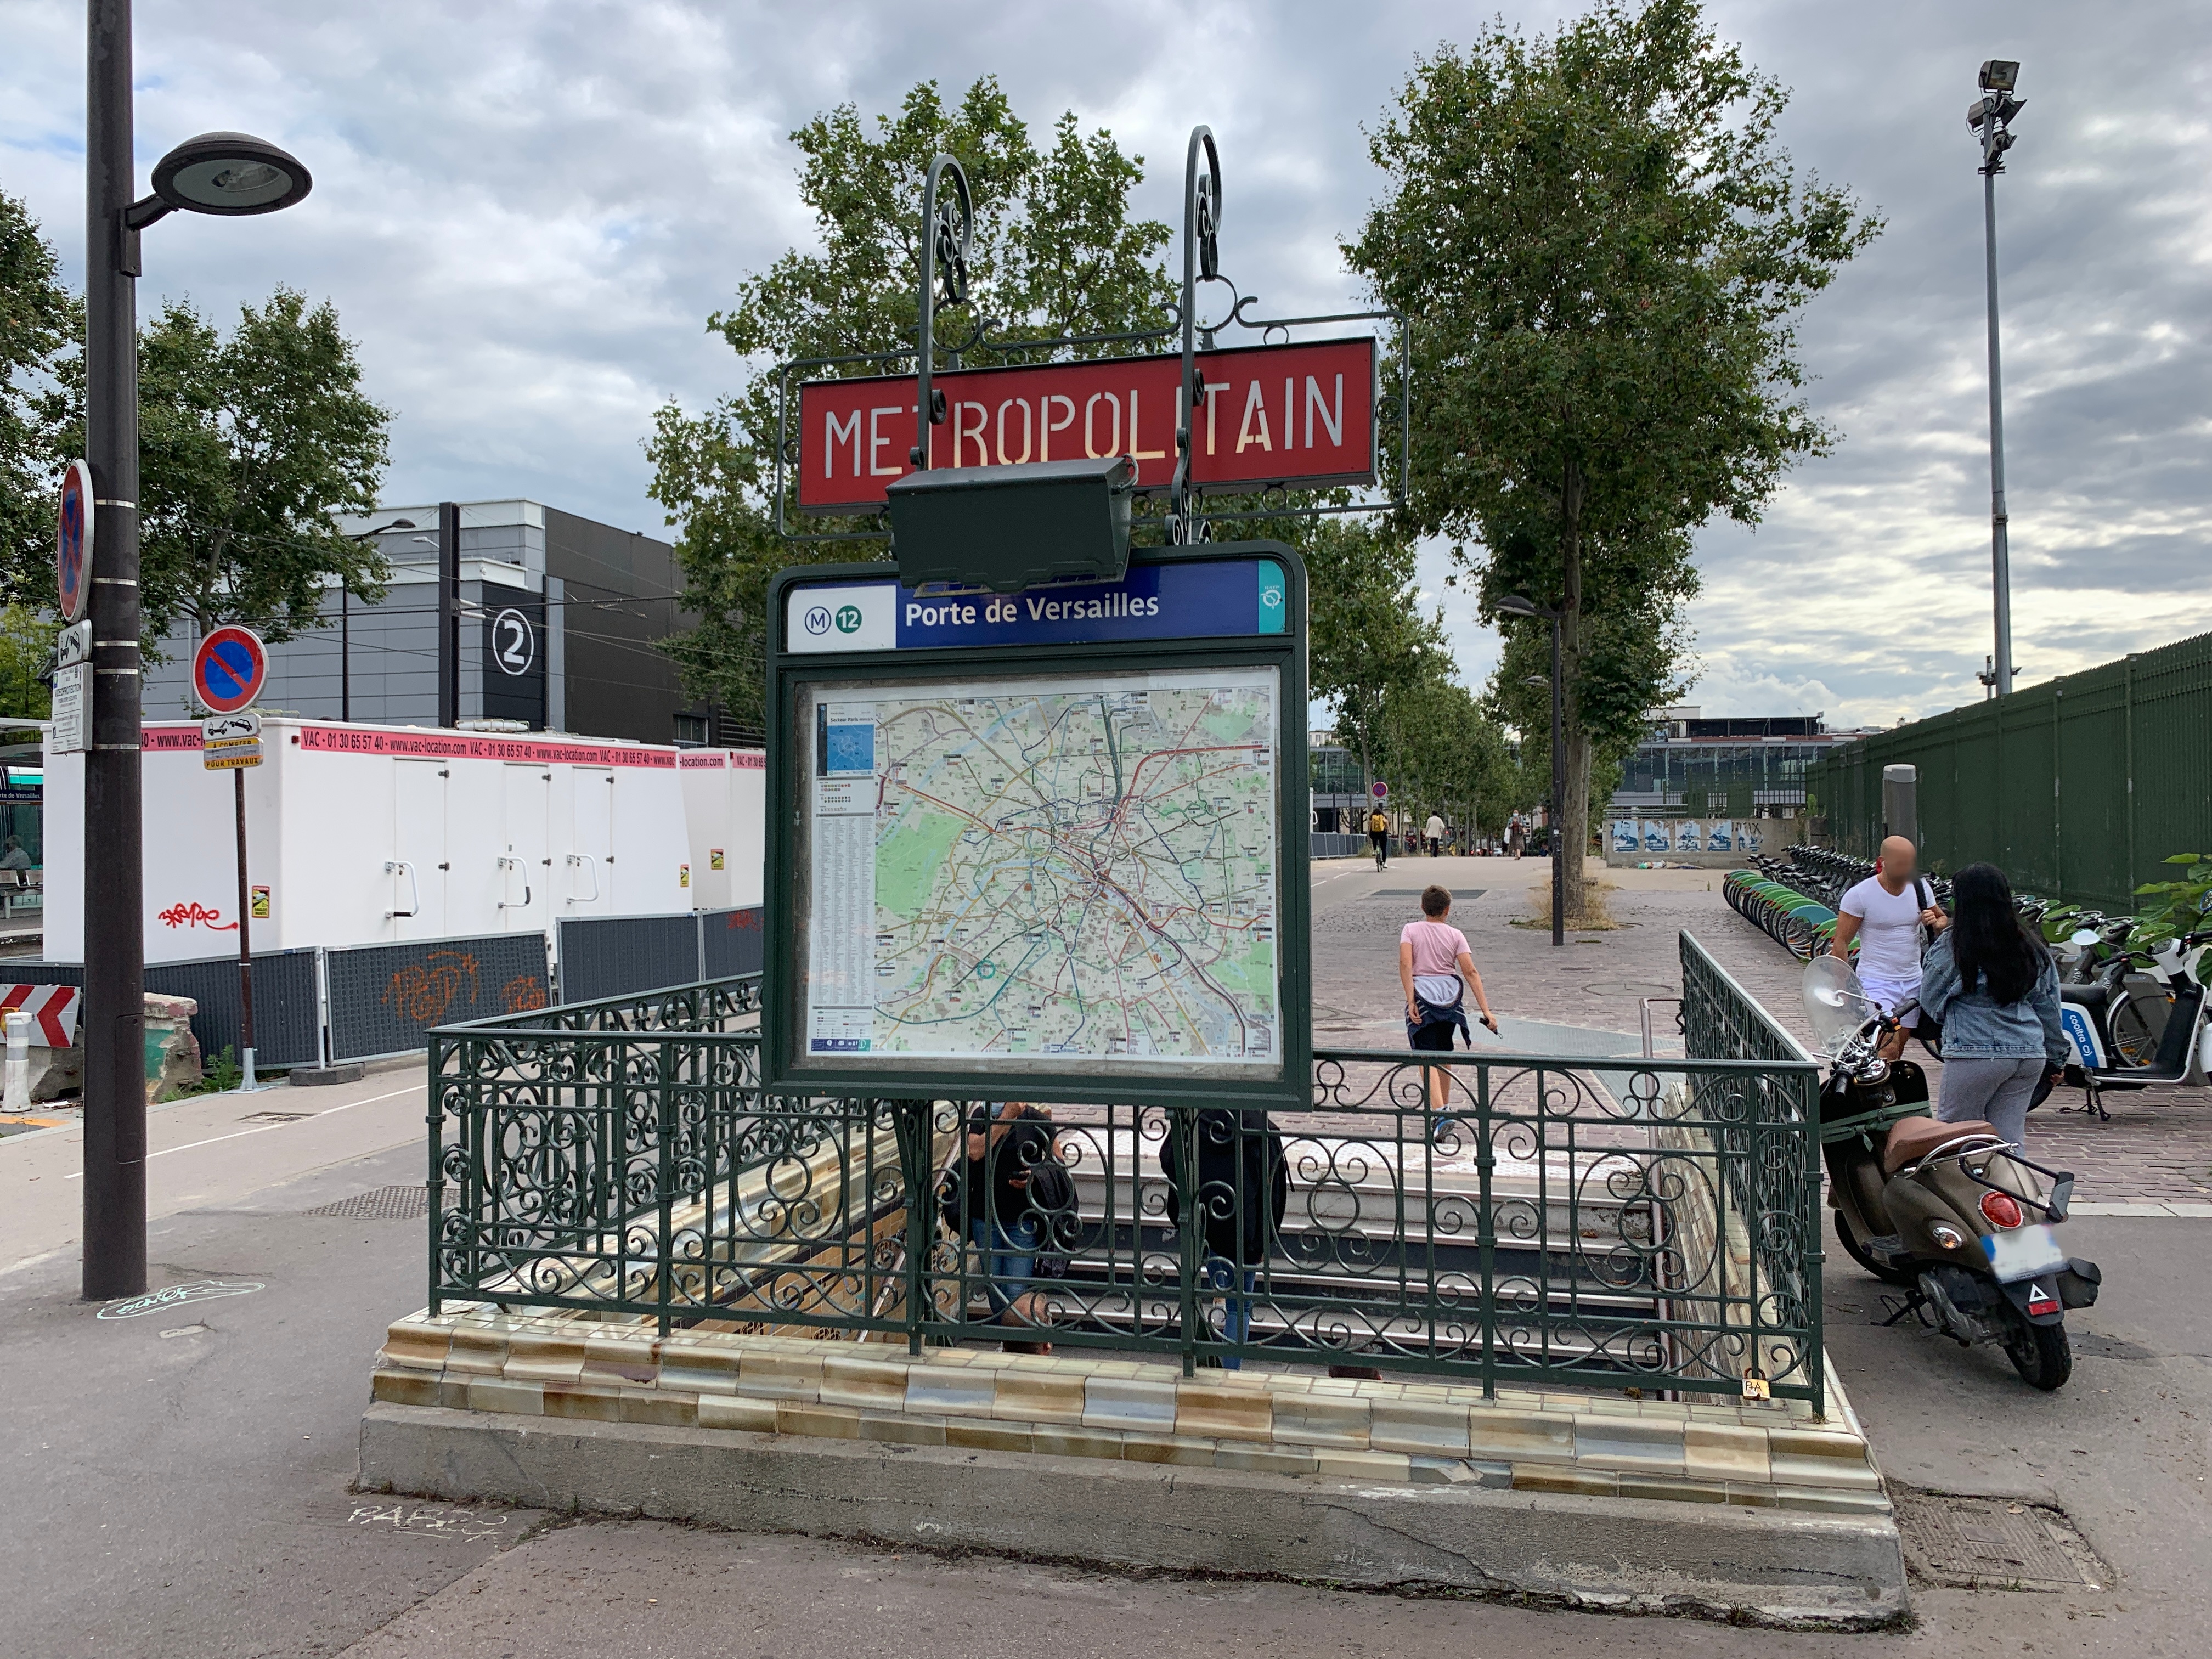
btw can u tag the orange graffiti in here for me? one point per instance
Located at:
(522, 992)
(424, 991)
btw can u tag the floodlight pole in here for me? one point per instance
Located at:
(1991, 119)
(115, 1014)
(945, 237)
(1201, 261)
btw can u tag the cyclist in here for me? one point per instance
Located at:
(1378, 833)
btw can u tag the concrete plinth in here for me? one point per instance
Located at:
(1792, 1569)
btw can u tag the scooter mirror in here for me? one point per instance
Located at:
(2085, 936)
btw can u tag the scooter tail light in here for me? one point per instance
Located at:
(2003, 1209)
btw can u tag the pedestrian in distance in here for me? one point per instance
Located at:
(1887, 914)
(14, 856)
(1436, 971)
(1435, 830)
(1994, 989)
(1378, 835)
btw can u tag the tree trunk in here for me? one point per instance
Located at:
(1573, 828)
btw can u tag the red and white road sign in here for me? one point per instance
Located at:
(52, 1009)
(72, 542)
(1301, 415)
(228, 669)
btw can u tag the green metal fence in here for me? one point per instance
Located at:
(2076, 788)
(1513, 1221)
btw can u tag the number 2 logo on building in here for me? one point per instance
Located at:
(514, 642)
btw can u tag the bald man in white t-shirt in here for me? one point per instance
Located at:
(1885, 912)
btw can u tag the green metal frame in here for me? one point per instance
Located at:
(1589, 1223)
(784, 909)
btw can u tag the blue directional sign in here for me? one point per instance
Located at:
(1200, 599)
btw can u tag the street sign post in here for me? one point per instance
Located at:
(72, 699)
(72, 542)
(228, 670)
(1049, 842)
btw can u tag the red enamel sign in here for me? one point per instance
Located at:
(1301, 415)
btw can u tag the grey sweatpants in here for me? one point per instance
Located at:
(1995, 1090)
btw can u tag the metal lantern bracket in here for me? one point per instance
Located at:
(947, 233)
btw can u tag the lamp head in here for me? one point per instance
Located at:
(2000, 75)
(1515, 605)
(230, 173)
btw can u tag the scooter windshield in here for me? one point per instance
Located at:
(1835, 1004)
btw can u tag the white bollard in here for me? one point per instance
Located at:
(16, 1082)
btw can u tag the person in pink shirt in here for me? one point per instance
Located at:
(1437, 970)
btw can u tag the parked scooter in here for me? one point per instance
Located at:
(1949, 1213)
(2140, 1019)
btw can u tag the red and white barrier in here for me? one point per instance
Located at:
(52, 1007)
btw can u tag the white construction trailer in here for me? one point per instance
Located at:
(367, 834)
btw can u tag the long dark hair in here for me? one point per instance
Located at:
(1987, 939)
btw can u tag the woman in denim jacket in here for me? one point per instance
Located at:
(1995, 990)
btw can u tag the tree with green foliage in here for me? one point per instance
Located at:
(1444, 751)
(247, 446)
(1603, 249)
(40, 322)
(1055, 256)
(1366, 640)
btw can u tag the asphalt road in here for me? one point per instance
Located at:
(175, 1484)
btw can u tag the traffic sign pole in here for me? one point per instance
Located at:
(228, 670)
(244, 942)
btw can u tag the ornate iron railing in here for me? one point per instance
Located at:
(1518, 1220)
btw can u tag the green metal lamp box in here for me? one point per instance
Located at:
(1006, 528)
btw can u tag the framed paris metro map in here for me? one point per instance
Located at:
(1081, 869)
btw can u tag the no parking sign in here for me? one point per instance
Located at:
(228, 669)
(72, 542)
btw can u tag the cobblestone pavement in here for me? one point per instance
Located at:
(2156, 1150)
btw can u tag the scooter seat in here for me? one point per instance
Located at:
(1913, 1138)
(2086, 996)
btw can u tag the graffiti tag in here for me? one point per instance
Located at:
(424, 991)
(172, 1296)
(522, 993)
(194, 916)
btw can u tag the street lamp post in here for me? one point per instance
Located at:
(218, 173)
(1990, 116)
(1518, 605)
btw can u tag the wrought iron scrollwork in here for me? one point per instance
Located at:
(948, 228)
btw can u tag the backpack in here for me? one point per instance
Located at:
(1930, 1029)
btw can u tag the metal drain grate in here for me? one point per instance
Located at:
(274, 1117)
(385, 1204)
(1415, 892)
(1994, 1543)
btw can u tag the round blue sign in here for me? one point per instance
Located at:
(229, 668)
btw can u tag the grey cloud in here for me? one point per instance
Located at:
(524, 213)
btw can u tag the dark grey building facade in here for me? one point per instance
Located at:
(562, 621)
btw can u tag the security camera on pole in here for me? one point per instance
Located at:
(1990, 118)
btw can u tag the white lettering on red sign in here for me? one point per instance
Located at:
(1296, 415)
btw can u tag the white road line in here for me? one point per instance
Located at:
(234, 1134)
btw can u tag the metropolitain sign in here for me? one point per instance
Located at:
(1301, 415)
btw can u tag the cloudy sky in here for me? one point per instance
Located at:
(525, 210)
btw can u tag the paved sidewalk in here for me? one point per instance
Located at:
(204, 1150)
(2154, 1156)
